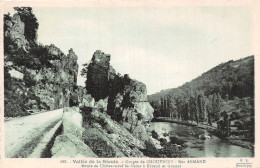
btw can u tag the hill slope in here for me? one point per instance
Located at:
(202, 98)
(221, 95)
(235, 78)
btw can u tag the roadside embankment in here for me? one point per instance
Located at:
(70, 144)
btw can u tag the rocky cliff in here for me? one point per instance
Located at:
(114, 114)
(37, 77)
(87, 132)
(14, 29)
(127, 98)
(98, 75)
(113, 119)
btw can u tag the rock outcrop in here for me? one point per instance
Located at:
(36, 77)
(98, 75)
(15, 31)
(103, 132)
(114, 117)
(127, 98)
(53, 86)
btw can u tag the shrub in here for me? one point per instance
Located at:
(139, 116)
(150, 150)
(173, 151)
(28, 79)
(155, 134)
(162, 141)
(177, 140)
(100, 147)
(40, 52)
(30, 21)
(14, 105)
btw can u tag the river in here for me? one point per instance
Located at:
(213, 147)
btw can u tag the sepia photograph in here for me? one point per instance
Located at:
(129, 82)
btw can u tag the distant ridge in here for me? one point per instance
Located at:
(225, 78)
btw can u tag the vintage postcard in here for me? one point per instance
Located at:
(130, 84)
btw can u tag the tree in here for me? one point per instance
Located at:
(169, 106)
(235, 78)
(209, 109)
(30, 21)
(216, 105)
(192, 108)
(184, 109)
(201, 106)
(162, 106)
(178, 107)
(165, 107)
(40, 57)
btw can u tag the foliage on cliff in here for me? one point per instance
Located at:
(36, 77)
(124, 94)
(123, 99)
(31, 23)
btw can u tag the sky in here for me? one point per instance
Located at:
(163, 47)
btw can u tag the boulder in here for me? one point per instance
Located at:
(156, 143)
(70, 146)
(141, 133)
(88, 101)
(102, 104)
(72, 122)
(16, 74)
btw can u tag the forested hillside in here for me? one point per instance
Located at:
(226, 90)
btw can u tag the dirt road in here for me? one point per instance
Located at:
(24, 134)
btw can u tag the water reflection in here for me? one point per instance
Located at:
(213, 147)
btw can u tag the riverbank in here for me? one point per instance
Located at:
(188, 123)
(212, 129)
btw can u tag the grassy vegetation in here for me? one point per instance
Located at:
(100, 147)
